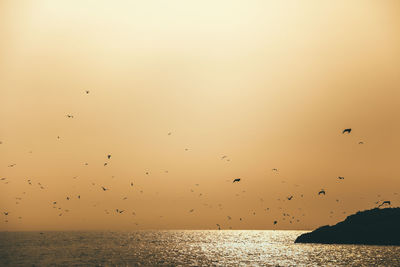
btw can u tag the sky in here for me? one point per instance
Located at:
(188, 95)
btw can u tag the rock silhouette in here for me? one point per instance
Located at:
(369, 227)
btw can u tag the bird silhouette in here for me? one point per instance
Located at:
(275, 222)
(236, 180)
(290, 198)
(104, 189)
(348, 130)
(70, 116)
(385, 202)
(108, 156)
(340, 177)
(105, 164)
(321, 192)
(87, 91)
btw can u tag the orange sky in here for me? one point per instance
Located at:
(269, 84)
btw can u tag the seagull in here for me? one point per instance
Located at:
(385, 202)
(236, 180)
(321, 192)
(348, 130)
(104, 189)
(340, 177)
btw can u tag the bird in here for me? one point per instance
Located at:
(236, 180)
(79, 196)
(385, 202)
(321, 192)
(131, 183)
(219, 226)
(108, 156)
(290, 198)
(274, 169)
(275, 222)
(67, 198)
(70, 116)
(104, 189)
(105, 164)
(87, 91)
(340, 177)
(348, 130)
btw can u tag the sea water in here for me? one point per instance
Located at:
(183, 248)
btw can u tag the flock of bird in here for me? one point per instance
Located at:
(290, 218)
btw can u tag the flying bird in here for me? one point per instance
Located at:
(290, 198)
(348, 130)
(274, 169)
(321, 192)
(70, 116)
(340, 177)
(104, 189)
(236, 180)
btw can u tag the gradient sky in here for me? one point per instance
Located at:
(269, 84)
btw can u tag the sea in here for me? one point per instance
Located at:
(183, 248)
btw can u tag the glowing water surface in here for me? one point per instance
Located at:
(183, 248)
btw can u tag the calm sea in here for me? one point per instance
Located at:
(183, 248)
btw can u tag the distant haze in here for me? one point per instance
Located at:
(242, 87)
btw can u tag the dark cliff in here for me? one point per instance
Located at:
(369, 227)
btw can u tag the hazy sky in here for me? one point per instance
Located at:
(269, 84)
